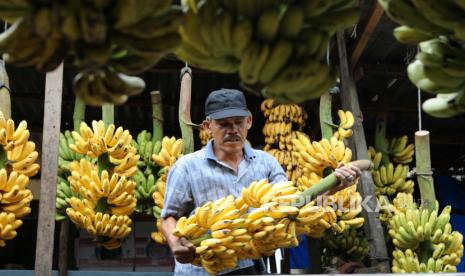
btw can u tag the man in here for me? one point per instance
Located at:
(225, 166)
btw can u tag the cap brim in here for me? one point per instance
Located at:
(229, 113)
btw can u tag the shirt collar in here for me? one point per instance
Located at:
(210, 153)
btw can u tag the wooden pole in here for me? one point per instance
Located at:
(5, 99)
(78, 117)
(157, 116)
(185, 110)
(51, 131)
(424, 173)
(326, 119)
(372, 227)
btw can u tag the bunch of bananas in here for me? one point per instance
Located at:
(65, 154)
(228, 239)
(204, 136)
(17, 164)
(171, 150)
(316, 157)
(107, 39)
(281, 120)
(145, 177)
(390, 170)
(116, 143)
(106, 85)
(351, 245)
(428, 234)
(109, 229)
(64, 193)
(346, 122)
(103, 194)
(145, 187)
(439, 31)
(277, 47)
(439, 69)
(389, 180)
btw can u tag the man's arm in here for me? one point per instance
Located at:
(178, 202)
(183, 250)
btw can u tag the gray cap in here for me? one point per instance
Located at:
(225, 103)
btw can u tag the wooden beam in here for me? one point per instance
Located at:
(49, 170)
(375, 17)
(372, 227)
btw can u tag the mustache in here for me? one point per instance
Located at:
(232, 138)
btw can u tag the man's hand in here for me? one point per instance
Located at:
(347, 176)
(183, 250)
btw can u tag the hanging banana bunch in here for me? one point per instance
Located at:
(103, 194)
(145, 176)
(283, 122)
(277, 48)
(316, 157)
(108, 40)
(346, 122)
(17, 163)
(204, 136)
(423, 238)
(171, 150)
(351, 245)
(436, 27)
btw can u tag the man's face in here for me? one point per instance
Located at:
(229, 133)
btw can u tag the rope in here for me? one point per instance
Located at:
(419, 108)
(419, 104)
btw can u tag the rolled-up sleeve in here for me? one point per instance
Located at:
(277, 173)
(178, 195)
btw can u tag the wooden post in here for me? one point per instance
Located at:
(424, 173)
(51, 131)
(326, 119)
(157, 116)
(78, 117)
(5, 99)
(185, 110)
(63, 248)
(373, 229)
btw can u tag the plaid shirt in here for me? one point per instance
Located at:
(200, 177)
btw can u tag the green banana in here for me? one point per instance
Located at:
(409, 35)
(268, 25)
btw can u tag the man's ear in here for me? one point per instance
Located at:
(249, 121)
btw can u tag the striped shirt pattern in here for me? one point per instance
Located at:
(200, 177)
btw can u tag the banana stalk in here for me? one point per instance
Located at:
(326, 120)
(108, 117)
(108, 114)
(185, 110)
(3, 158)
(157, 117)
(79, 113)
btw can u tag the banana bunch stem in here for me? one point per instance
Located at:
(79, 113)
(3, 158)
(326, 121)
(426, 251)
(327, 184)
(197, 241)
(157, 116)
(108, 114)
